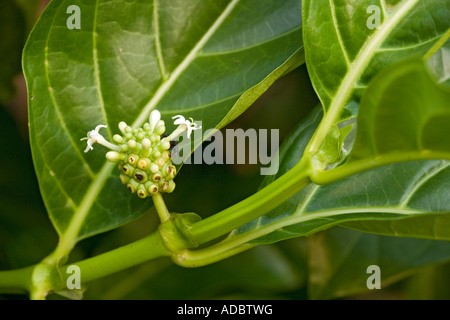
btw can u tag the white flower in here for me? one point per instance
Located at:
(94, 136)
(153, 119)
(184, 124)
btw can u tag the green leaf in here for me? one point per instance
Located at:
(205, 59)
(392, 192)
(403, 116)
(338, 260)
(345, 46)
(429, 226)
(343, 53)
(439, 64)
(404, 110)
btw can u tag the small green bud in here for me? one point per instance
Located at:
(146, 144)
(170, 172)
(132, 186)
(133, 159)
(122, 126)
(154, 168)
(132, 144)
(166, 155)
(160, 162)
(152, 188)
(128, 170)
(171, 186)
(160, 130)
(156, 154)
(124, 178)
(157, 177)
(140, 136)
(140, 176)
(143, 163)
(141, 192)
(164, 145)
(117, 138)
(115, 156)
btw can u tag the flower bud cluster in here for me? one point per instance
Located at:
(144, 159)
(142, 154)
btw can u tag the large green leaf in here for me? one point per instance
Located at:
(339, 258)
(439, 64)
(197, 58)
(404, 115)
(344, 51)
(404, 111)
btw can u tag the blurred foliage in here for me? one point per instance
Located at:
(16, 20)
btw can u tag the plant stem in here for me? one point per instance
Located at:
(16, 279)
(254, 206)
(351, 168)
(160, 207)
(122, 258)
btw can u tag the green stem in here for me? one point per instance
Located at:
(351, 168)
(203, 257)
(160, 207)
(11, 280)
(254, 206)
(145, 249)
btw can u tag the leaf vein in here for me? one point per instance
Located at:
(159, 55)
(421, 182)
(97, 70)
(338, 33)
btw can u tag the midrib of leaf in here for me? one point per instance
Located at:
(241, 238)
(97, 70)
(165, 86)
(251, 46)
(356, 69)
(159, 55)
(69, 238)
